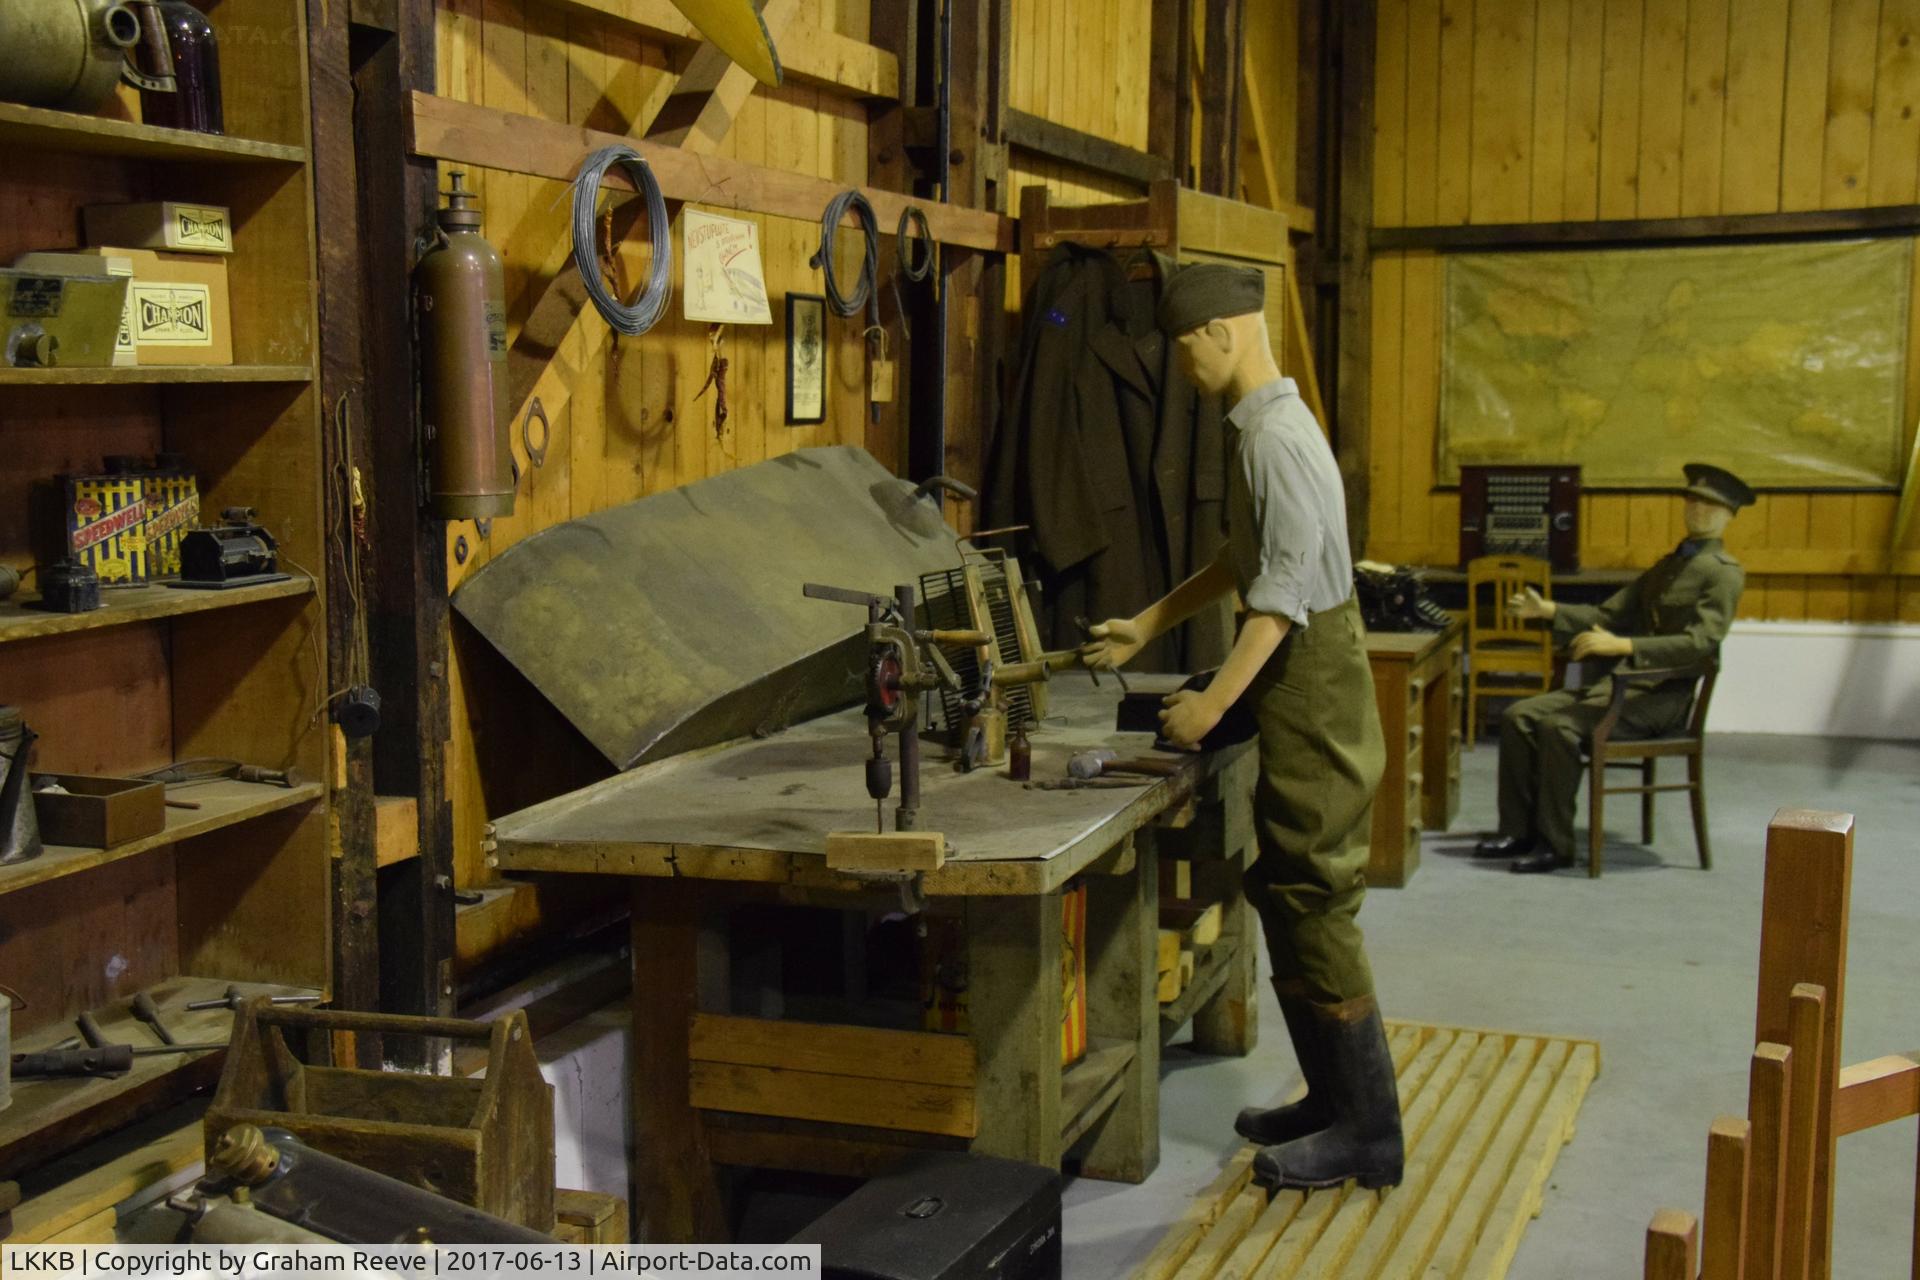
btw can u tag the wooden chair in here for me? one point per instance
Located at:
(1603, 753)
(1770, 1173)
(1516, 654)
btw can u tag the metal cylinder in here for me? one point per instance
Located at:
(460, 303)
(63, 53)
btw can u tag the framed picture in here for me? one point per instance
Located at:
(806, 358)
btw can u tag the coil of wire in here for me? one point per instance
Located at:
(843, 304)
(650, 303)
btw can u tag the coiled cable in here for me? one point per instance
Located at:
(912, 218)
(656, 291)
(870, 260)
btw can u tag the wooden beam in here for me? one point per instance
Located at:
(1876, 1092)
(1220, 99)
(1267, 171)
(809, 53)
(1806, 224)
(1353, 329)
(1084, 150)
(447, 130)
(1169, 104)
(706, 99)
(1769, 1107)
(1670, 1246)
(1724, 1218)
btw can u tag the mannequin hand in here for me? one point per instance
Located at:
(1599, 643)
(1528, 604)
(1114, 644)
(1188, 717)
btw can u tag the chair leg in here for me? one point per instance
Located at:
(1697, 781)
(1596, 816)
(1646, 801)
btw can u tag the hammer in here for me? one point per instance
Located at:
(1094, 764)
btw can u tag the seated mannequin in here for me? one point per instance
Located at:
(1673, 615)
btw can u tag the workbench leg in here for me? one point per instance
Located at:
(1123, 928)
(1228, 1025)
(1014, 998)
(676, 1191)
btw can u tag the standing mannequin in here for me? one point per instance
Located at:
(1673, 615)
(1300, 660)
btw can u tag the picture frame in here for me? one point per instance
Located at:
(806, 359)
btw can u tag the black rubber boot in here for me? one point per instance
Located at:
(1270, 1125)
(1363, 1143)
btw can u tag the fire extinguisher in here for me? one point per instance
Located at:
(460, 305)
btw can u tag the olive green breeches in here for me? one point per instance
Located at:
(1321, 757)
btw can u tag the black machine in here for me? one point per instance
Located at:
(945, 1215)
(236, 553)
(1521, 511)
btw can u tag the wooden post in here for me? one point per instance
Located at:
(1351, 426)
(1803, 938)
(356, 935)
(895, 27)
(1229, 1023)
(1170, 104)
(1123, 912)
(1220, 100)
(676, 1193)
(1670, 1246)
(1806, 1019)
(1723, 1226)
(1769, 1102)
(1014, 994)
(408, 628)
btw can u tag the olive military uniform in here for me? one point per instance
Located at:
(1321, 749)
(1677, 612)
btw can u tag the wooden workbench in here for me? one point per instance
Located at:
(747, 823)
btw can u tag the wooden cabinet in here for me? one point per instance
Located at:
(237, 888)
(1417, 680)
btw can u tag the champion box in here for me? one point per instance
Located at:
(177, 306)
(161, 224)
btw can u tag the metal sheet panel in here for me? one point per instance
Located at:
(676, 621)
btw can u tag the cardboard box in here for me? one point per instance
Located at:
(161, 224)
(100, 812)
(179, 306)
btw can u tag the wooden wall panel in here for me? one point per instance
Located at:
(1084, 65)
(637, 423)
(1635, 109)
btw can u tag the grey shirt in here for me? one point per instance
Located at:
(1286, 508)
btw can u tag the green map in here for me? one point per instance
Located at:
(1785, 363)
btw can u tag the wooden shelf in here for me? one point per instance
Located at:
(19, 621)
(50, 1113)
(65, 131)
(222, 803)
(155, 374)
(1209, 975)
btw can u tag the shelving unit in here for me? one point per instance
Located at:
(238, 888)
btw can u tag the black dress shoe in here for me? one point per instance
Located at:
(1504, 847)
(1541, 863)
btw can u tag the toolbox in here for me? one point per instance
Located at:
(98, 813)
(944, 1215)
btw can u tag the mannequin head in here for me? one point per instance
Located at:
(1229, 356)
(1706, 519)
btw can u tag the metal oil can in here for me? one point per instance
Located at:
(460, 307)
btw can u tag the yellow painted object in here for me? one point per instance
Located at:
(735, 28)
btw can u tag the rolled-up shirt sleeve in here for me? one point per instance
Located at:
(1288, 529)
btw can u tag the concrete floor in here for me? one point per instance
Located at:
(1656, 960)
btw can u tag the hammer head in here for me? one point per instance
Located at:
(1090, 764)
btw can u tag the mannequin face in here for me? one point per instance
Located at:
(1706, 519)
(1208, 355)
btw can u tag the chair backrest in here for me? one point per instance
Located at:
(1491, 581)
(1703, 694)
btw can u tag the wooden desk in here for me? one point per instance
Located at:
(1417, 679)
(705, 833)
